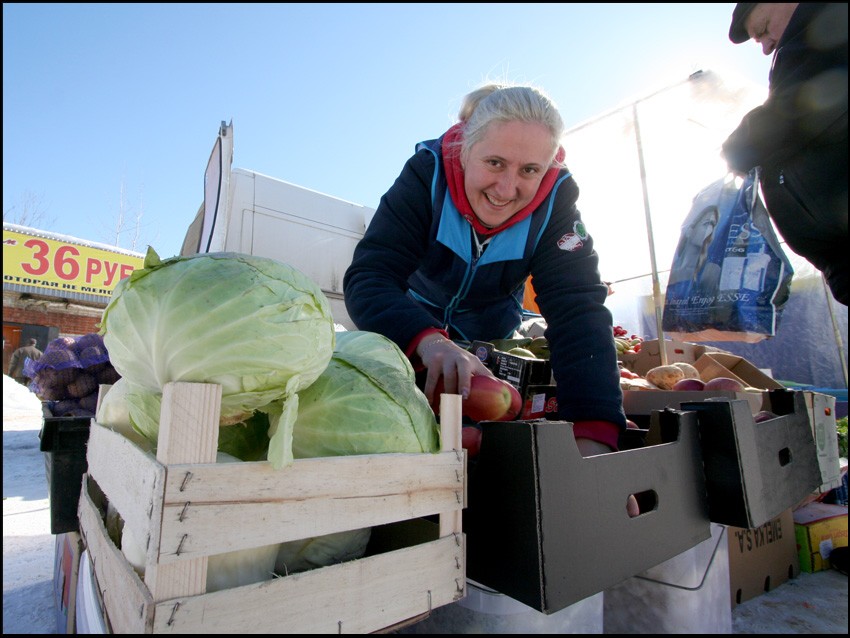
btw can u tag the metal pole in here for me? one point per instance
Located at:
(656, 286)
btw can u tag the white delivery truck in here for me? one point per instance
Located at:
(247, 212)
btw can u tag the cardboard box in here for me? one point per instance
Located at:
(819, 528)
(686, 594)
(520, 372)
(549, 528)
(716, 364)
(821, 409)
(755, 471)
(188, 511)
(539, 402)
(650, 355)
(644, 402)
(761, 559)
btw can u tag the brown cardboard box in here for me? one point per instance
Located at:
(650, 355)
(644, 402)
(763, 558)
(716, 364)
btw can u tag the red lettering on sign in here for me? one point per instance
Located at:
(93, 267)
(40, 251)
(65, 265)
(111, 269)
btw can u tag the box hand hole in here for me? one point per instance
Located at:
(784, 456)
(647, 501)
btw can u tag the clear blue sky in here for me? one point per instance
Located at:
(106, 101)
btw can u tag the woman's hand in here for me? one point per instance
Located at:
(451, 362)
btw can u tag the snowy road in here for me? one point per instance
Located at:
(28, 606)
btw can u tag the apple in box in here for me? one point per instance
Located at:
(490, 399)
(471, 440)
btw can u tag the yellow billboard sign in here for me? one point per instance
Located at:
(63, 265)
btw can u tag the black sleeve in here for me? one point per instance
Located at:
(571, 297)
(375, 284)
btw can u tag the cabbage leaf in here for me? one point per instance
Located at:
(257, 327)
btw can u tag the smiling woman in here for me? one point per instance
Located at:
(452, 243)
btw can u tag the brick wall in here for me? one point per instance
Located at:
(69, 318)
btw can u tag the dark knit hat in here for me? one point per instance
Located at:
(737, 30)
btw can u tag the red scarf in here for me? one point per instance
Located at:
(454, 177)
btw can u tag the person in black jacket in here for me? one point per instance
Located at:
(452, 242)
(799, 135)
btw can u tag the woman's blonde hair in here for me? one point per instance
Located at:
(507, 103)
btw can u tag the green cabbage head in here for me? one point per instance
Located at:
(365, 402)
(258, 327)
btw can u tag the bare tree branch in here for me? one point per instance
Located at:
(29, 211)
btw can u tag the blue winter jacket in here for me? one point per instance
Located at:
(417, 268)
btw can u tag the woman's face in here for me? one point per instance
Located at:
(503, 171)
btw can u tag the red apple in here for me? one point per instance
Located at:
(689, 385)
(471, 440)
(491, 399)
(724, 383)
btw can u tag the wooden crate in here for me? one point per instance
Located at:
(189, 508)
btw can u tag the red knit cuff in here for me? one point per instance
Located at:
(600, 431)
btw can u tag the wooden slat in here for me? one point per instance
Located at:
(311, 497)
(128, 602)
(451, 521)
(450, 421)
(131, 479)
(359, 596)
(188, 433)
(188, 427)
(328, 477)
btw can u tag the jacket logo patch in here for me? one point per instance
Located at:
(580, 230)
(570, 242)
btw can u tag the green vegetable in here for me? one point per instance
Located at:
(375, 346)
(360, 405)
(321, 551)
(365, 402)
(841, 430)
(257, 327)
(114, 412)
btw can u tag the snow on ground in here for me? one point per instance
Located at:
(28, 545)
